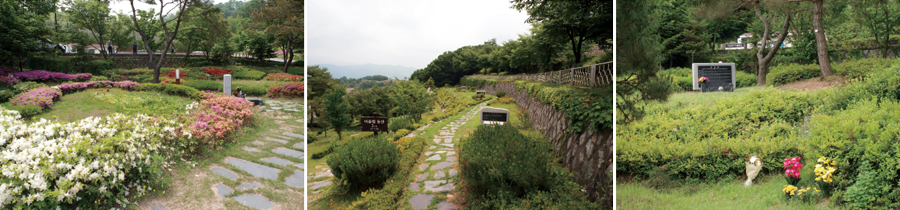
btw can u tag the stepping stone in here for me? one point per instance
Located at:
(446, 149)
(258, 143)
(320, 185)
(323, 174)
(251, 149)
(432, 147)
(451, 158)
(292, 135)
(423, 166)
(441, 152)
(299, 146)
(435, 157)
(295, 180)
(254, 169)
(225, 172)
(446, 134)
(300, 165)
(222, 190)
(277, 161)
(157, 206)
(437, 141)
(249, 186)
(447, 141)
(453, 172)
(299, 121)
(413, 187)
(420, 201)
(422, 177)
(438, 186)
(439, 174)
(447, 145)
(441, 165)
(444, 205)
(428, 153)
(275, 108)
(276, 140)
(451, 153)
(288, 152)
(255, 201)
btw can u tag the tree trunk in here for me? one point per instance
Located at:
(290, 50)
(821, 41)
(763, 68)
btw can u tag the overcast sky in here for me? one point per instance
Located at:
(409, 33)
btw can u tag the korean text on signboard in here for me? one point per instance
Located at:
(374, 123)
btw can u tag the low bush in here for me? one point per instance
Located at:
(27, 111)
(401, 122)
(501, 93)
(252, 90)
(400, 133)
(389, 196)
(251, 74)
(716, 136)
(882, 85)
(204, 85)
(6, 94)
(99, 78)
(216, 72)
(26, 86)
(42, 97)
(216, 117)
(296, 71)
(856, 69)
(498, 160)
(79, 86)
(43, 76)
(364, 163)
(286, 90)
(784, 74)
(283, 77)
(173, 89)
(98, 66)
(744, 79)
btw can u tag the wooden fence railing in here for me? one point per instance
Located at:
(587, 76)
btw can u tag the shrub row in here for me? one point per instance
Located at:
(289, 90)
(251, 74)
(784, 74)
(401, 122)
(173, 89)
(389, 196)
(217, 86)
(854, 69)
(284, 77)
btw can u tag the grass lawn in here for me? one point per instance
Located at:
(765, 193)
(80, 105)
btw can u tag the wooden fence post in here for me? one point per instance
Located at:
(594, 70)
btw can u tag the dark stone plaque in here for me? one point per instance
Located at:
(720, 75)
(493, 116)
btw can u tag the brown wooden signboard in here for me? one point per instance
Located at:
(376, 124)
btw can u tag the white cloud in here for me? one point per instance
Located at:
(408, 32)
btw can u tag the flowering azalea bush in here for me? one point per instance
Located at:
(792, 168)
(212, 119)
(290, 90)
(82, 77)
(216, 72)
(43, 76)
(42, 97)
(8, 80)
(283, 77)
(79, 86)
(48, 164)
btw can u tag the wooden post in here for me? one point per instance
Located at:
(594, 70)
(572, 74)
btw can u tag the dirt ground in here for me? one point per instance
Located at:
(816, 83)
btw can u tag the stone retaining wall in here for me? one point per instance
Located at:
(587, 154)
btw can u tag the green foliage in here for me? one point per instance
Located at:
(295, 71)
(337, 109)
(400, 133)
(205, 85)
(639, 51)
(26, 86)
(364, 163)
(401, 122)
(173, 89)
(784, 74)
(27, 111)
(710, 139)
(867, 190)
(744, 79)
(364, 102)
(97, 67)
(99, 78)
(389, 196)
(501, 93)
(6, 94)
(251, 75)
(879, 85)
(856, 69)
(411, 99)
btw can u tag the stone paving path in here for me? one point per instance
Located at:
(437, 174)
(282, 153)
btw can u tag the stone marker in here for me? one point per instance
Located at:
(491, 115)
(479, 92)
(463, 87)
(719, 75)
(227, 84)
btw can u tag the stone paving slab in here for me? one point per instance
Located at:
(288, 152)
(299, 146)
(444, 205)
(323, 174)
(277, 161)
(447, 145)
(251, 149)
(254, 200)
(421, 201)
(422, 177)
(435, 157)
(254, 169)
(437, 141)
(441, 165)
(258, 143)
(249, 186)
(299, 165)
(292, 135)
(225, 172)
(318, 185)
(222, 191)
(453, 172)
(432, 147)
(451, 153)
(413, 186)
(438, 186)
(157, 206)
(423, 166)
(276, 140)
(439, 174)
(295, 180)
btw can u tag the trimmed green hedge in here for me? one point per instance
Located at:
(214, 86)
(364, 163)
(784, 74)
(389, 196)
(173, 89)
(251, 75)
(860, 68)
(27, 111)
(498, 159)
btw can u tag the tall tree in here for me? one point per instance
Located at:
(21, 26)
(204, 27)
(337, 109)
(92, 16)
(763, 57)
(180, 7)
(282, 19)
(881, 17)
(578, 20)
(821, 41)
(638, 57)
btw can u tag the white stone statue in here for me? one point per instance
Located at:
(754, 165)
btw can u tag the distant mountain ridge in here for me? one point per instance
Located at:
(359, 71)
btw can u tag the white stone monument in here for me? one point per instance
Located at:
(479, 92)
(227, 88)
(491, 115)
(719, 75)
